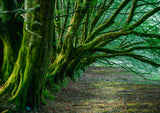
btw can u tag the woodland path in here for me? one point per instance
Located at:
(106, 90)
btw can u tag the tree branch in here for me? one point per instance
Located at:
(75, 22)
(132, 44)
(85, 28)
(137, 57)
(100, 12)
(144, 18)
(108, 37)
(21, 10)
(57, 21)
(64, 25)
(123, 51)
(108, 23)
(150, 35)
(131, 14)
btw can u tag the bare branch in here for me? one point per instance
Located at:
(131, 14)
(135, 56)
(150, 35)
(108, 37)
(57, 21)
(75, 21)
(85, 28)
(125, 50)
(108, 23)
(64, 25)
(21, 10)
(144, 18)
(101, 10)
(149, 3)
(132, 44)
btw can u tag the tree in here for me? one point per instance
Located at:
(1, 57)
(29, 73)
(10, 37)
(121, 32)
(106, 30)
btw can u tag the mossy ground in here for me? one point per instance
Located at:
(105, 90)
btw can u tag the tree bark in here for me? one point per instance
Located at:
(1, 59)
(11, 38)
(67, 64)
(10, 53)
(30, 71)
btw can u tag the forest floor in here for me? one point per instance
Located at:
(104, 90)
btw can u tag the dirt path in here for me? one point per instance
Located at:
(106, 90)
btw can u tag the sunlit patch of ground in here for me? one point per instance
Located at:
(106, 90)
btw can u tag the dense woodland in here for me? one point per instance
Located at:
(43, 43)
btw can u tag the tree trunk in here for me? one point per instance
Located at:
(68, 64)
(30, 70)
(11, 38)
(1, 53)
(9, 57)
(1, 59)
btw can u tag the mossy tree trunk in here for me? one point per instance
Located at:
(1, 53)
(29, 75)
(82, 38)
(1, 59)
(10, 34)
(68, 62)
(10, 53)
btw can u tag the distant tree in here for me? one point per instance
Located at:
(115, 32)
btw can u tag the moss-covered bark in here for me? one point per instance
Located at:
(70, 64)
(1, 53)
(67, 61)
(1, 58)
(30, 70)
(11, 34)
(9, 58)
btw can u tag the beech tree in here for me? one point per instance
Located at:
(115, 32)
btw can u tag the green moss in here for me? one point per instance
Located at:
(133, 110)
(138, 110)
(6, 111)
(140, 104)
